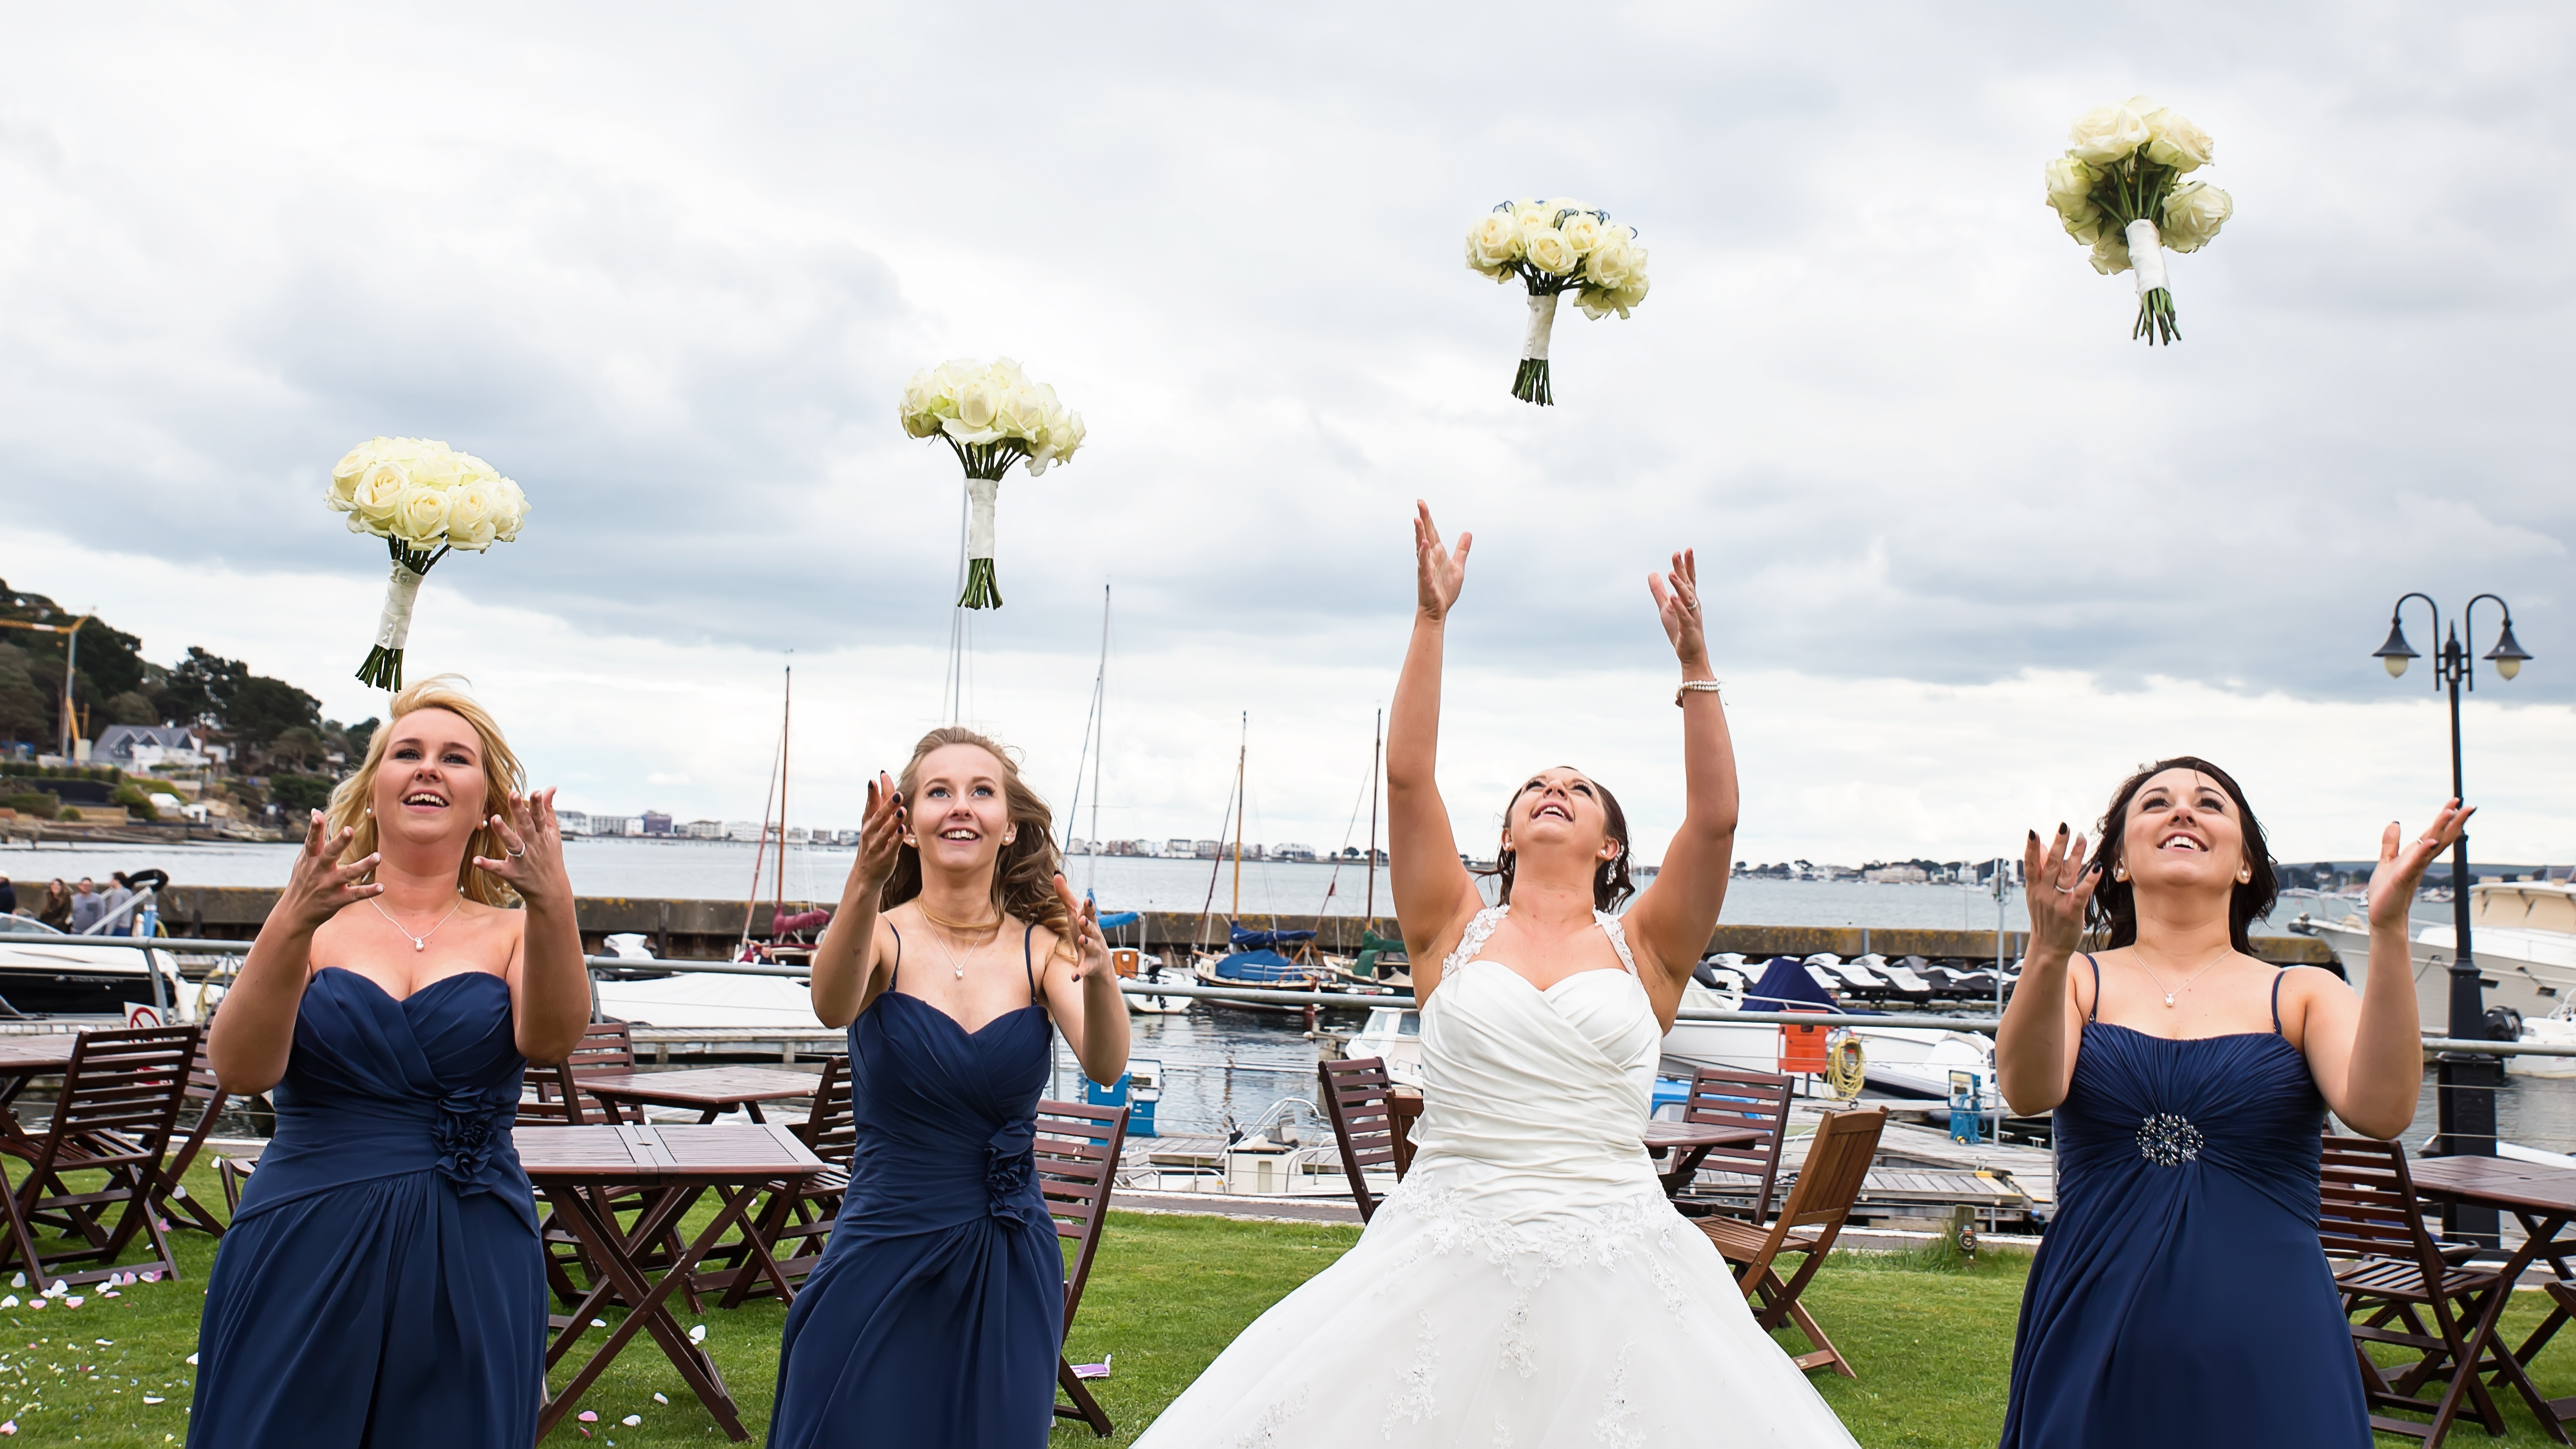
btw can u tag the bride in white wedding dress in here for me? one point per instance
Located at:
(1527, 1284)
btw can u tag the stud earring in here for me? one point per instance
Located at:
(2119, 872)
(2245, 876)
(913, 840)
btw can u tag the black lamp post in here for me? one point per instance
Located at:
(2464, 1082)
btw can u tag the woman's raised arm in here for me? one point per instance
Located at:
(1434, 894)
(1675, 916)
(255, 1032)
(845, 960)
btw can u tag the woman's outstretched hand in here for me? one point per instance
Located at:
(318, 885)
(2059, 886)
(1442, 572)
(880, 832)
(1677, 600)
(2401, 869)
(1091, 948)
(532, 844)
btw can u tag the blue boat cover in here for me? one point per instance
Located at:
(1115, 919)
(1784, 984)
(1257, 968)
(1263, 940)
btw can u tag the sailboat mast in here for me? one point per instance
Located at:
(1242, 747)
(1099, 742)
(1377, 747)
(786, 712)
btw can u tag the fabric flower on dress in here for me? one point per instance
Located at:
(1010, 1166)
(471, 1122)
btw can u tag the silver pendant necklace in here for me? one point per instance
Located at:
(421, 941)
(2187, 985)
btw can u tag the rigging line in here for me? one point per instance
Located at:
(1334, 881)
(1216, 867)
(751, 898)
(1100, 691)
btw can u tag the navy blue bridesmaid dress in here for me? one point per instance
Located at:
(937, 1312)
(381, 1284)
(2181, 1296)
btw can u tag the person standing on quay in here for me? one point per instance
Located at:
(8, 897)
(87, 907)
(56, 909)
(382, 1283)
(937, 1312)
(2181, 1296)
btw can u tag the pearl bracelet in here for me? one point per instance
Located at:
(1696, 686)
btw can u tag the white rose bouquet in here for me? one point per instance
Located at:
(422, 498)
(2119, 190)
(1555, 247)
(991, 417)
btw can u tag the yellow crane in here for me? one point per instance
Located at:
(71, 670)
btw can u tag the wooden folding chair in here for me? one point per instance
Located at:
(553, 1097)
(1734, 1097)
(1359, 1100)
(2397, 1275)
(1820, 1201)
(170, 1196)
(799, 1212)
(1077, 1163)
(120, 1102)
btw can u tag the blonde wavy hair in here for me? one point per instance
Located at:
(1023, 874)
(502, 777)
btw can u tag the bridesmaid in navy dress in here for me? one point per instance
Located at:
(937, 1312)
(381, 1284)
(2181, 1296)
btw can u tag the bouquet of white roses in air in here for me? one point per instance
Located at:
(1555, 247)
(2119, 190)
(422, 498)
(992, 417)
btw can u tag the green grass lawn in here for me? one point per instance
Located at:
(1932, 1343)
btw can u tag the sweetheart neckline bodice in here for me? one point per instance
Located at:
(416, 991)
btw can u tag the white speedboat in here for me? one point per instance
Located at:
(1152, 970)
(1393, 1034)
(44, 972)
(701, 998)
(2523, 934)
(1899, 1061)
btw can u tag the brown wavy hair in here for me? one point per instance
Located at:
(1610, 882)
(502, 777)
(1023, 874)
(2112, 915)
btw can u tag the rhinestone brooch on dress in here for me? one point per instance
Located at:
(2168, 1141)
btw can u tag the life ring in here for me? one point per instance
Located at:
(1846, 1066)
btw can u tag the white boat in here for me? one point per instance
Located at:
(1394, 1034)
(2557, 1029)
(1150, 969)
(44, 972)
(1900, 1061)
(702, 998)
(2523, 934)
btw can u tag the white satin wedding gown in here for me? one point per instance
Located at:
(1526, 1284)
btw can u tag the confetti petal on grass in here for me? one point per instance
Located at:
(9, 1302)
(657, 1398)
(192, 1360)
(599, 1323)
(632, 1420)
(10, 1428)
(149, 1399)
(152, 1277)
(588, 1416)
(697, 1333)
(74, 1302)
(18, 1280)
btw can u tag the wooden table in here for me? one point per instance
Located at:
(2543, 1200)
(710, 1091)
(1689, 1142)
(578, 1168)
(22, 1060)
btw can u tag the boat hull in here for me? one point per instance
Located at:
(2534, 972)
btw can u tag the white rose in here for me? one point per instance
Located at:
(473, 514)
(436, 464)
(1611, 259)
(378, 491)
(1022, 414)
(353, 465)
(979, 402)
(2070, 192)
(2111, 251)
(1583, 231)
(2105, 134)
(2172, 140)
(1493, 244)
(514, 511)
(1549, 251)
(420, 514)
(2193, 214)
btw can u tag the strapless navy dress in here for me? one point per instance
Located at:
(937, 1312)
(381, 1284)
(2181, 1296)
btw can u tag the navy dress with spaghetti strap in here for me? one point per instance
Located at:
(2181, 1296)
(937, 1312)
(381, 1284)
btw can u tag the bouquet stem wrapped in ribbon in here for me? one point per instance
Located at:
(423, 499)
(991, 417)
(1554, 247)
(2119, 190)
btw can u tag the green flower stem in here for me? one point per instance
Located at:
(981, 590)
(2156, 318)
(1530, 383)
(383, 668)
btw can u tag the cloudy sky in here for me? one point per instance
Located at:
(1970, 551)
